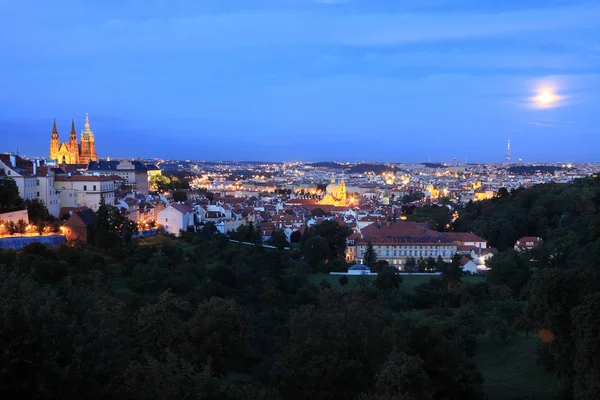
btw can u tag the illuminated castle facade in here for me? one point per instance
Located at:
(335, 194)
(72, 152)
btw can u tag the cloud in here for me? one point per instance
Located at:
(485, 59)
(190, 33)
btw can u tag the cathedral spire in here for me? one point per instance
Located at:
(54, 143)
(73, 134)
(87, 122)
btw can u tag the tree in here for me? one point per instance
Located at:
(452, 271)
(330, 349)
(37, 211)
(343, 280)
(335, 234)
(511, 269)
(112, 228)
(586, 331)
(160, 182)
(315, 250)
(502, 193)
(9, 196)
(411, 265)
(296, 237)
(388, 278)
(403, 376)
(278, 239)
(179, 196)
(370, 256)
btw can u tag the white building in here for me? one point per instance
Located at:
(85, 190)
(468, 265)
(33, 180)
(396, 242)
(176, 217)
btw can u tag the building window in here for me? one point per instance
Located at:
(94, 187)
(38, 194)
(166, 219)
(37, 182)
(84, 187)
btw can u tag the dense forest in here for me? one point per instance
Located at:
(201, 317)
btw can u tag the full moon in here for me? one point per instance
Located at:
(546, 97)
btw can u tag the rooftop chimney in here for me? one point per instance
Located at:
(13, 161)
(35, 167)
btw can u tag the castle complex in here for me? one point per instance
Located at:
(72, 152)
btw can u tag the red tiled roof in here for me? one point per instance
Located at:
(463, 237)
(402, 232)
(83, 178)
(182, 208)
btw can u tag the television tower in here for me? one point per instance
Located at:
(508, 153)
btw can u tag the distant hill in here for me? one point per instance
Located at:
(375, 168)
(327, 164)
(534, 169)
(433, 165)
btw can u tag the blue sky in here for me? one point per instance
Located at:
(381, 80)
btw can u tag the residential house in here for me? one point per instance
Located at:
(175, 218)
(468, 265)
(79, 226)
(528, 243)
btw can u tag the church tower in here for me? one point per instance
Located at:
(342, 191)
(54, 143)
(73, 146)
(87, 152)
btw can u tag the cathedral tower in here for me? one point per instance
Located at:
(87, 152)
(54, 143)
(73, 146)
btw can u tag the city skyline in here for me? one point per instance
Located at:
(305, 80)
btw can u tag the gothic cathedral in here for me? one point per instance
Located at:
(72, 152)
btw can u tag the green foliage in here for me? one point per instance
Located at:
(414, 196)
(296, 237)
(278, 239)
(9, 196)
(437, 217)
(179, 196)
(388, 278)
(160, 183)
(335, 234)
(112, 228)
(370, 256)
(511, 269)
(316, 249)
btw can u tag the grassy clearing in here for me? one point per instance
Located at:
(158, 240)
(334, 280)
(511, 371)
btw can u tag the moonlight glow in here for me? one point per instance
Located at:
(546, 97)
